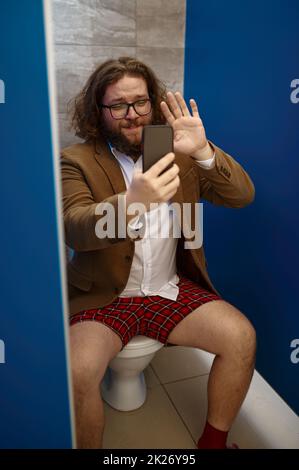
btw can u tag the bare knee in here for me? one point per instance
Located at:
(242, 344)
(86, 376)
(91, 348)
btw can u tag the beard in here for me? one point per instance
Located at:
(121, 143)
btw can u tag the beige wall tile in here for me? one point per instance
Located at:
(168, 64)
(99, 22)
(160, 7)
(161, 31)
(66, 135)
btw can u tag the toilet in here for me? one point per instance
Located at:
(123, 386)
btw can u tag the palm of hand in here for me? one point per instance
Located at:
(189, 135)
(189, 132)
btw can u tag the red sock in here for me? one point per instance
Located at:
(212, 438)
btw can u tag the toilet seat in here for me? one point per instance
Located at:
(139, 346)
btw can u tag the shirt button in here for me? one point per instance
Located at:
(128, 258)
(116, 290)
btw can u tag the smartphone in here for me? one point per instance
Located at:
(157, 141)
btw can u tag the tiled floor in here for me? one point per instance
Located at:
(175, 409)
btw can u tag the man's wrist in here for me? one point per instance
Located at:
(204, 154)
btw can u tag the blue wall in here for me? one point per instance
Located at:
(34, 403)
(240, 60)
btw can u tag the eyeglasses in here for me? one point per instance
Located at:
(120, 110)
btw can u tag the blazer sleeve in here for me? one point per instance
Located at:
(227, 184)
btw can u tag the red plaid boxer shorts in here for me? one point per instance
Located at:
(152, 316)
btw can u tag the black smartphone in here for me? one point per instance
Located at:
(157, 141)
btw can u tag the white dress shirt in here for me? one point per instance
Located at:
(153, 270)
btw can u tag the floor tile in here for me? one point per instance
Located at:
(190, 400)
(151, 378)
(177, 363)
(155, 425)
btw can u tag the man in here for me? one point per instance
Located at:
(119, 98)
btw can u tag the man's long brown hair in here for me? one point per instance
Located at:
(85, 107)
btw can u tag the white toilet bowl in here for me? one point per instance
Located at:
(123, 386)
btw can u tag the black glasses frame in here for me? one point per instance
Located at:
(128, 107)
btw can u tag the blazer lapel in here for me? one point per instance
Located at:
(111, 167)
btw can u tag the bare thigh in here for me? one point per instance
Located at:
(216, 327)
(92, 346)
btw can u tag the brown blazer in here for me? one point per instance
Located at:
(99, 269)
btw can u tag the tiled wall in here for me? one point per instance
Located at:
(88, 32)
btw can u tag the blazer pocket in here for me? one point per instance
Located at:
(75, 278)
